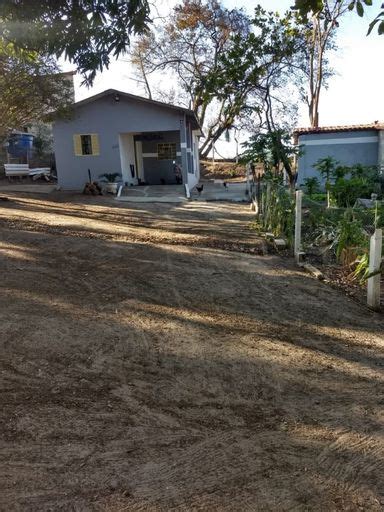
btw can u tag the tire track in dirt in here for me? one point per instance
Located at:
(354, 460)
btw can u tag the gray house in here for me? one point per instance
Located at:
(357, 144)
(134, 136)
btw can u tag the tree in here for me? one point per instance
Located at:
(318, 31)
(306, 7)
(326, 167)
(222, 59)
(275, 151)
(189, 45)
(86, 32)
(31, 87)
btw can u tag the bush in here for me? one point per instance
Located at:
(362, 181)
(312, 186)
(351, 233)
(278, 208)
(320, 198)
(346, 192)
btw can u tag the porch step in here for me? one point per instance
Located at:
(156, 193)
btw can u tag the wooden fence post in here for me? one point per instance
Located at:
(373, 288)
(258, 196)
(297, 247)
(267, 207)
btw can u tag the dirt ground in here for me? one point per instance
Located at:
(153, 359)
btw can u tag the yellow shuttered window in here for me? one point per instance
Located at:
(77, 145)
(86, 144)
(95, 144)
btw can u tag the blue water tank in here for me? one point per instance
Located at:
(20, 144)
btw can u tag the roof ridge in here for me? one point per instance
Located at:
(376, 125)
(133, 96)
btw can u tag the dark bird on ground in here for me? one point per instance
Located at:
(225, 185)
(199, 189)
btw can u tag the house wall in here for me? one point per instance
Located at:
(348, 148)
(108, 119)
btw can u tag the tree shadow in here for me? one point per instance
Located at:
(175, 378)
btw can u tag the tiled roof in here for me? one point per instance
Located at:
(377, 125)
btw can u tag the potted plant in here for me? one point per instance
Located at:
(111, 181)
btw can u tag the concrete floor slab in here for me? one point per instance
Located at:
(151, 199)
(35, 188)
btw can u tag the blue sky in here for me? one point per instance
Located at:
(354, 95)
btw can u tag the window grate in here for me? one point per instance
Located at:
(166, 151)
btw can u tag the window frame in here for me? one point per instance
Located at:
(86, 144)
(81, 145)
(166, 151)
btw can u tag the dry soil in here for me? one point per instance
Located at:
(153, 359)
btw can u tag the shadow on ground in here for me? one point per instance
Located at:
(145, 376)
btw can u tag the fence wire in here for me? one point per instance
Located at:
(340, 234)
(329, 234)
(276, 208)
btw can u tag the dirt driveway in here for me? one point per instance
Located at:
(148, 363)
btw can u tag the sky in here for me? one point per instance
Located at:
(354, 95)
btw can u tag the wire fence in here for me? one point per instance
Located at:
(327, 235)
(338, 234)
(275, 206)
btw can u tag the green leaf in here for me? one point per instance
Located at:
(373, 23)
(351, 6)
(367, 2)
(360, 9)
(381, 28)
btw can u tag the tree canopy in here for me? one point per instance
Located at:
(222, 60)
(305, 7)
(86, 32)
(31, 87)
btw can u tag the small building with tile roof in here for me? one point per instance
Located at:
(349, 145)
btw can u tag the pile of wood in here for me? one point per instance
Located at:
(92, 188)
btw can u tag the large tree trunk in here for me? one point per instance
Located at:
(209, 143)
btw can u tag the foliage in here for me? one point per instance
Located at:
(189, 44)
(305, 7)
(226, 64)
(326, 167)
(362, 182)
(320, 226)
(350, 233)
(110, 177)
(31, 86)
(347, 191)
(278, 209)
(361, 272)
(319, 197)
(43, 140)
(345, 184)
(336, 229)
(85, 32)
(318, 39)
(274, 150)
(312, 186)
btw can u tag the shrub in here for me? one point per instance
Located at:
(312, 186)
(110, 177)
(346, 192)
(350, 233)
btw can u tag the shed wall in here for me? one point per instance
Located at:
(348, 148)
